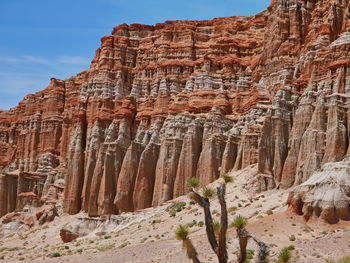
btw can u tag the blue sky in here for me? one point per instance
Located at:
(40, 39)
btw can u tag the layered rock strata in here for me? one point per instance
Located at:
(160, 104)
(325, 195)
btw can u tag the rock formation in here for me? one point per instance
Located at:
(180, 99)
(326, 194)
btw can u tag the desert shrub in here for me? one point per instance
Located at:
(250, 254)
(56, 255)
(181, 232)
(291, 247)
(193, 223)
(342, 260)
(232, 209)
(123, 245)
(208, 192)
(269, 212)
(292, 238)
(174, 208)
(284, 256)
(193, 182)
(227, 179)
(239, 222)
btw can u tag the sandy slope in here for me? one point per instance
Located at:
(149, 236)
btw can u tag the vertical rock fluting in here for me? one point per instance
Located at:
(191, 149)
(75, 170)
(127, 178)
(160, 104)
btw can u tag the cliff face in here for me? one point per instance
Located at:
(181, 99)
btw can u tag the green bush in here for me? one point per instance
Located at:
(291, 247)
(227, 179)
(172, 209)
(56, 255)
(269, 212)
(250, 254)
(200, 223)
(239, 222)
(284, 256)
(181, 232)
(193, 182)
(208, 192)
(193, 223)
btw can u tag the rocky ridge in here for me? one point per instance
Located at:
(163, 103)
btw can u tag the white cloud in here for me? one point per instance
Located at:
(23, 59)
(74, 60)
(21, 84)
(34, 59)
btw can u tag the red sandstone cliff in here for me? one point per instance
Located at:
(163, 103)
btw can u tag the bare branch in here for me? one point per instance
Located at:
(204, 202)
(222, 251)
(190, 250)
(263, 249)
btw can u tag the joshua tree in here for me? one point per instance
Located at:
(216, 231)
(239, 223)
(193, 182)
(243, 235)
(182, 234)
(218, 246)
(208, 192)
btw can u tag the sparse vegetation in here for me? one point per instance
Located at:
(208, 192)
(105, 248)
(123, 245)
(173, 209)
(269, 212)
(239, 222)
(250, 254)
(193, 223)
(232, 209)
(342, 260)
(227, 178)
(284, 256)
(291, 247)
(55, 255)
(193, 182)
(181, 232)
(200, 223)
(292, 238)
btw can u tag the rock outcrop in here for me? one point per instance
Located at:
(325, 195)
(160, 104)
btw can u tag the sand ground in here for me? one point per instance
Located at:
(149, 236)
